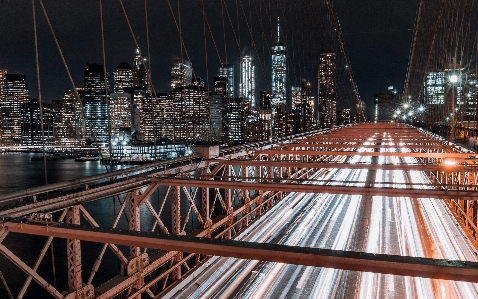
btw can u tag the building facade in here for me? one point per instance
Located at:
(181, 73)
(248, 83)
(140, 72)
(123, 77)
(120, 116)
(14, 95)
(279, 68)
(95, 102)
(190, 117)
(327, 89)
(70, 121)
(31, 122)
(226, 70)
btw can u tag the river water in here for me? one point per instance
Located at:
(18, 172)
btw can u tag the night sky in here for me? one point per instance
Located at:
(377, 36)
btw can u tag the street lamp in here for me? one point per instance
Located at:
(454, 79)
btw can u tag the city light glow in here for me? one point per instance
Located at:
(453, 78)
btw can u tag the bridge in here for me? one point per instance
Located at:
(244, 202)
(306, 206)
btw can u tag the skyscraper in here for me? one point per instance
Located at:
(435, 88)
(181, 73)
(327, 92)
(31, 122)
(227, 71)
(278, 94)
(3, 73)
(221, 86)
(190, 116)
(218, 104)
(14, 94)
(161, 116)
(235, 131)
(248, 85)
(140, 73)
(70, 122)
(296, 94)
(120, 115)
(95, 102)
(123, 77)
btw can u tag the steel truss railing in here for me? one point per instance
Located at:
(224, 195)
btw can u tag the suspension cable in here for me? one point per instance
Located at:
(37, 60)
(75, 91)
(414, 44)
(103, 52)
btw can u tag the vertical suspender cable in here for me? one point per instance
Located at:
(66, 67)
(224, 31)
(39, 91)
(106, 86)
(414, 44)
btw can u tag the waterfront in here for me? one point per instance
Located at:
(18, 172)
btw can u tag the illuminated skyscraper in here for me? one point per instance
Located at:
(471, 104)
(140, 73)
(3, 73)
(120, 114)
(327, 92)
(227, 71)
(218, 104)
(181, 73)
(278, 94)
(95, 98)
(70, 122)
(14, 94)
(235, 129)
(123, 77)
(163, 115)
(190, 115)
(248, 82)
(296, 93)
(435, 88)
(31, 122)
(221, 86)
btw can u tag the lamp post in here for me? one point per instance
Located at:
(454, 79)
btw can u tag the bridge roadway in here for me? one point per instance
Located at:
(387, 225)
(326, 193)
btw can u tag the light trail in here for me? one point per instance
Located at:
(398, 225)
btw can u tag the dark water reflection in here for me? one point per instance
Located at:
(18, 172)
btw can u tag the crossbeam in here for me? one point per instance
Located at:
(340, 145)
(337, 259)
(367, 154)
(310, 188)
(313, 164)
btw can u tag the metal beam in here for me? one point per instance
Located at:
(361, 145)
(30, 272)
(369, 154)
(346, 260)
(313, 164)
(309, 188)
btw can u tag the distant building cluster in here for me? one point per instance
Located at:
(131, 113)
(438, 96)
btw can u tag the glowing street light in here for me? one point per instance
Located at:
(453, 78)
(450, 162)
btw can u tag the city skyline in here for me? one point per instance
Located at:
(118, 42)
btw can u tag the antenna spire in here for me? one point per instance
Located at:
(278, 30)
